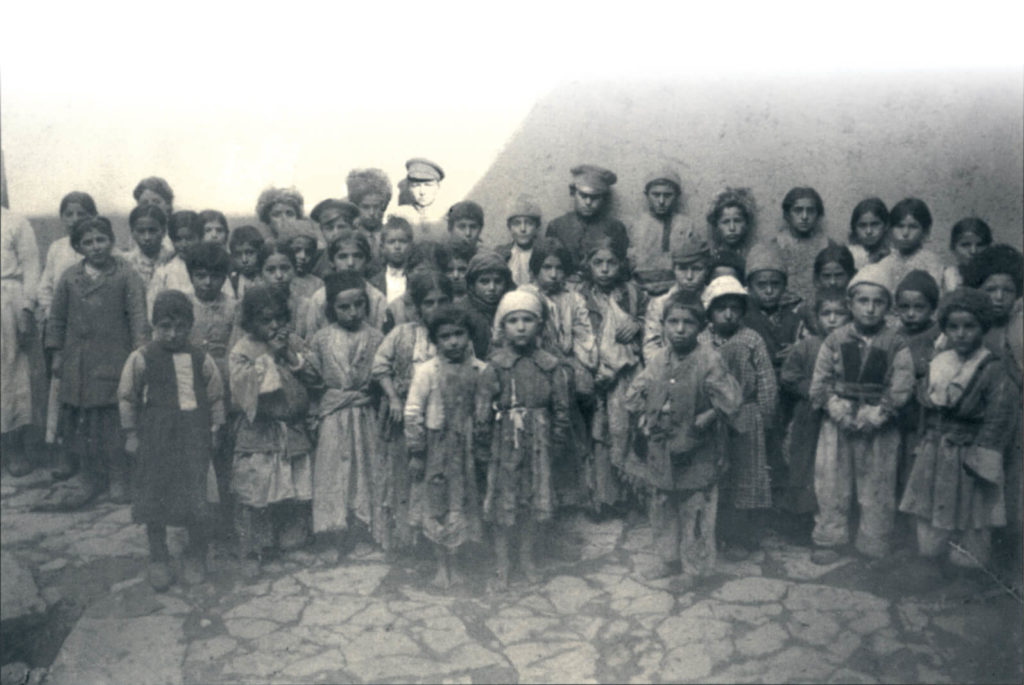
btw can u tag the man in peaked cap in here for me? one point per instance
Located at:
(657, 230)
(418, 201)
(590, 190)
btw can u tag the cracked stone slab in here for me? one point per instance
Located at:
(148, 650)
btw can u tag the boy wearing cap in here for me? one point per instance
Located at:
(333, 216)
(770, 315)
(863, 375)
(657, 231)
(424, 213)
(590, 191)
(691, 260)
(523, 222)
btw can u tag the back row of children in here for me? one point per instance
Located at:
(425, 387)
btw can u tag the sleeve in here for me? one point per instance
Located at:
(47, 283)
(560, 402)
(214, 391)
(57, 324)
(130, 389)
(901, 379)
(722, 388)
(28, 258)
(636, 393)
(487, 390)
(793, 378)
(138, 320)
(416, 407)
(985, 457)
(652, 329)
(384, 359)
(584, 347)
(767, 386)
(308, 373)
(250, 378)
(824, 377)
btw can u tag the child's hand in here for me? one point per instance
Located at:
(839, 409)
(848, 423)
(626, 331)
(131, 443)
(394, 414)
(57, 364)
(278, 343)
(870, 418)
(704, 420)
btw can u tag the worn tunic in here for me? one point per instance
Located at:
(315, 316)
(651, 242)
(798, 255)
(143, 265)
(523, 405)
(19, 276)
(801, 439)
(439, 417)
(174, 400)
(575, 232)
(899, 266)
(213, 328)
(481, 319)
(349, 469)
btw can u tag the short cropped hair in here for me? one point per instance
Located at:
(211, 257)
(91, 223)
(449, 315)
(147, 212)
(245, 235)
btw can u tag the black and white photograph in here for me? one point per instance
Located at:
(443, 342)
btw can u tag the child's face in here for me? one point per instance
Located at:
(148, 234)
(96, 247)
(551, 276)
(452, 341)
(431, 301)
(424, 192)
(215, 232)
(680, 328)
(722, 270)
(247, 259)
(332, 225)
(394, 247)
(523, 230)
(207, 284)
(588, 204)
(371, 210)
(521, 328)
(305, 251)
(280, 214)
(832, 315)
(186, 239)
(963, 332)
(278, 271)
(468, 229)
(661, 199)
(968, 245)
(270, 323)
(907, 235)
(489, 286)
(732, 226)
(766, 287)
(350, 308)
(604, 267)
(833, 275)
(1001, 292)
(456, 273)
(869, 305)
(172, 333)
(349, 258)
(802, 217)
(691, 276)
(869, 230)
(148, 197)
(725, 314)
(73, 212)
(914, 309)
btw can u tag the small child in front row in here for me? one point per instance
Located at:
(172, 407)
(955, 490)
(522, 409)
(749, 485)
(439, 432)
(683, 397)
(863, 374)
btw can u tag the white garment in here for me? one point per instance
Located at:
(519, 264)
(395, 283)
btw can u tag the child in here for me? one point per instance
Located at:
(74, 207)
(403, 348)
(302, 242)
(395, 241)
(277, 270)
(148, 225)
(423, 179)
(833, 269)
(466, 220)
(244, 245)
(173, 275)
(616, 306)
(523, 406)
(424, 256)
(98, 317)
(869, 232)
(801, 441)
(955, 490)
(590, 191)
(350, 251)
(683, 397)
(272, 467)
(726, 262)
(690, 262)
(332, 216)
(749, 484)
(213, 226)
(776, 322)
(276, 207)
(487, 280)
(863, 374)
(911, 223)
(457, 255)
(172, 407)
(523, 222)
(348, 461)
(370, 191)
(155, 191)
(969, 237)
(731, 221)
(801, 239)
(656, 231)
(439, 431)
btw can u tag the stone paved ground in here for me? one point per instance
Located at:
(774, 618)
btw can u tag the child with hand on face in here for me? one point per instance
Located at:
(522, 410)
(968, 238)
(440, 435)
(690, 263)
(523, 222)
(683, 398)
(244, 246)
(863, 375)
(276, 207)
(172, 407)
(869, 232)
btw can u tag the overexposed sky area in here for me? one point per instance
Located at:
(224, 99)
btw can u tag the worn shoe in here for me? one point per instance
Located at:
(161, 576)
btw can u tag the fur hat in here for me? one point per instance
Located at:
(271, 196)
(920, 281)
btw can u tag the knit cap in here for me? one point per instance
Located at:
(466, 210)
(521, 300)
(765, 257)
(487, 260)
(920, 281)
(524, 205)
(691, 250)
(720, 287)
(663, 176)
(873, 274)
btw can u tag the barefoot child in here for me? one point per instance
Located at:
(683, 397)
(172, 407)
(523, 406)
(863, 374)
(439, 432)
(869, 232)
(969, 237)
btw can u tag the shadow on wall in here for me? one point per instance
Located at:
(955, 140)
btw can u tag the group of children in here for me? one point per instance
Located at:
(301, 376)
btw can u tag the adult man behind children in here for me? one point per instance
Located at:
(590, 190)
(426, 215)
